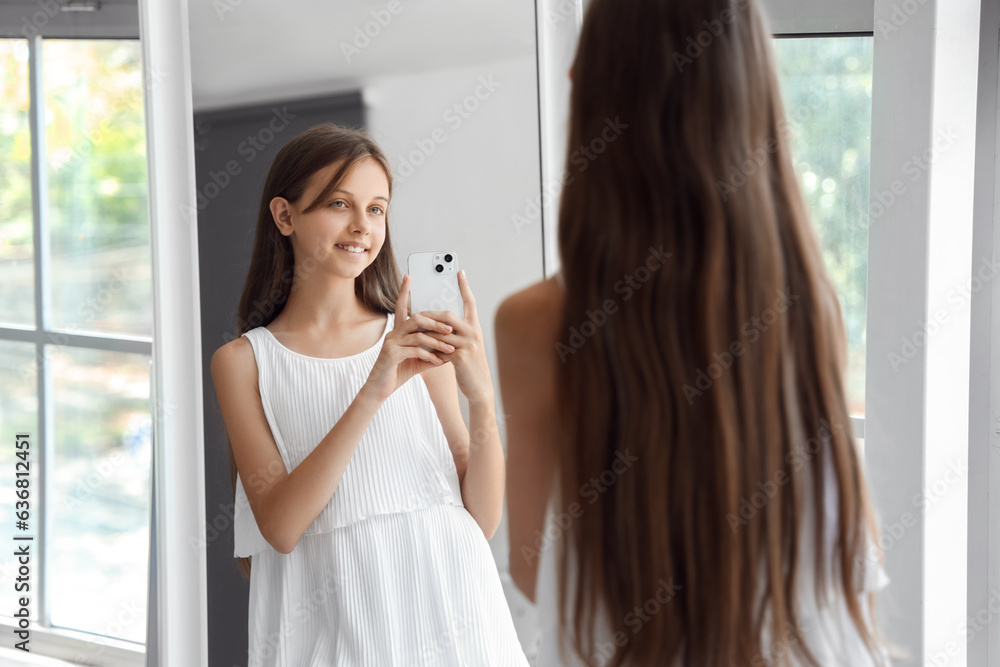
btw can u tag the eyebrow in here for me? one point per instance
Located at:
(351, 194)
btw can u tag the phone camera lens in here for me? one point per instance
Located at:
(439, 268)
(447, 257)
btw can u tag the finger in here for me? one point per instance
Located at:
(402, 302)
(422, 321)
(422, 338)
(468, 300)
(445, 316)
(429, 357)
(452, 339)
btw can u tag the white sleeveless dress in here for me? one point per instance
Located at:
(394, 570)
(828, 629)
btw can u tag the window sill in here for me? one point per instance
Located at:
(58, 647)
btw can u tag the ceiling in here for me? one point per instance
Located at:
(250, 51)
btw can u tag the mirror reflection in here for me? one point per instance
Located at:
(401, 128)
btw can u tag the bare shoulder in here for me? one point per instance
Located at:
(532, 315)
(234, 360)
(526, 330)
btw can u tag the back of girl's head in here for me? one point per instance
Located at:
(273, 264)
(724, 352)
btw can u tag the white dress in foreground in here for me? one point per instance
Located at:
(394, 570)
(828, 629)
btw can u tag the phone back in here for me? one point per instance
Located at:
(434, 282)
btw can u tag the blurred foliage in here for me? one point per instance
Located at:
(826, 84)
(97, 203)
(96, 143)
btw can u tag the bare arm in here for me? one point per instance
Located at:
(283, 503)
(526, 366)
(482, 488)
(479, 460)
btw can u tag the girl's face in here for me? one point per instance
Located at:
(352, 215)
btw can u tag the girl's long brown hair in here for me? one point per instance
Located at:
(670, 99)
(273, 265)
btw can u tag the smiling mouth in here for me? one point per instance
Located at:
(354, 250)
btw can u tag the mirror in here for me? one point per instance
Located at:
(448, 89)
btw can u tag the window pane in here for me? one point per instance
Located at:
(100, 502)
(17, 267)
(96, 148)
(18, 414)
(826, 84)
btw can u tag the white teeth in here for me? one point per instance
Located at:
(354, 249)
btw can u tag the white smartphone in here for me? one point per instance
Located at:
(434, 283)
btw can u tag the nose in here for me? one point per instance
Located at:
(360, 222)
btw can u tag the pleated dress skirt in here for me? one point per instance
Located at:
(415, 588)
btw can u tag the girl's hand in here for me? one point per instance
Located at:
(401, 356)
(472, 370)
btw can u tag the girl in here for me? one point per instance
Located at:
(359, 495)
(726, 525)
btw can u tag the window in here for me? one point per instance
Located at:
(826, 85)
(75, 338)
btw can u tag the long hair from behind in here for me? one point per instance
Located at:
(274, 270)
(722, 356)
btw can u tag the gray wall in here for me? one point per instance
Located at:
(227, 218)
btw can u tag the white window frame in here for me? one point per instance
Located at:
(984, 380)
(179, 582)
